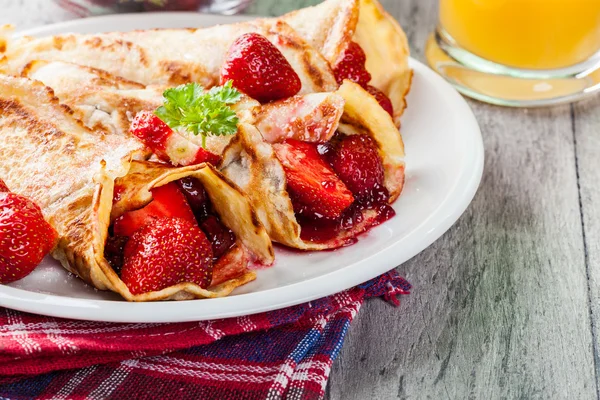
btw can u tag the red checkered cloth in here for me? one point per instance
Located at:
(283, 354)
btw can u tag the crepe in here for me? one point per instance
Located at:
(333, 24)
(330, 26)
(250, 161)
(99, 99)
(105, 101)
(70, 172)
(313, 117)
(312, 40)
(166, 57)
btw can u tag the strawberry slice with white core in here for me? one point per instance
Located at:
(168, 201)
(312, 118)
(167, 144)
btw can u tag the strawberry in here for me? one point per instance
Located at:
(357, 163)
(152, 131)
(258, 69)
(382, 99)
(25, 237)
(351, 65)
(311, 182)
(165, 253)
(205, 156)
(3, 187)
(168, 145)
(168, 201)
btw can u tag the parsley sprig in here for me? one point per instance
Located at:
(201, 112)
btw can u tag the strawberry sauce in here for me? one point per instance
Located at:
(221, 237)
(351, 223)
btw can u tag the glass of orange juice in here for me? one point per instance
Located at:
(518, 52)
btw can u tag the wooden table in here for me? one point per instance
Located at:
(504, 305)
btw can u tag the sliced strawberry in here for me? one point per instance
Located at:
(230, 266)
(3, 187)
(165, 253)
(168, 145)
(311, 182)
(357, 163)
(152, 131)
(205, 156)
(25, 237)
(258, 69)
(351, 65)
(382, 99)
(168, 201)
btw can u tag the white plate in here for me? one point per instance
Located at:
(444, 166)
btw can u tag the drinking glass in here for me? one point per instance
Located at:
(96, 7)
(518, 52)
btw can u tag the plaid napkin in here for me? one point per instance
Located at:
(283, 354)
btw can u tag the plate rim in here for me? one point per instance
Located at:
(313, 288)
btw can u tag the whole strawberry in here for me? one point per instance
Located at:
(382, 99)
(351, 65)
(356, 162)
(258, 69)
(164, 253)
(25, 237)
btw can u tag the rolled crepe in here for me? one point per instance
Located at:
(167, 57)
(70, 172)
(250, 161)
(312, 40)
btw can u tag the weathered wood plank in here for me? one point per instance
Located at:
(499, 308)
(586, 124)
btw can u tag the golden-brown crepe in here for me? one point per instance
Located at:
(166, 57)
(99, 99)
(250, 162)
(102, 100)
(332, 25)
(70, 172)
(312, 40)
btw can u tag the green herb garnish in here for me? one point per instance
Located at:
(201, 112)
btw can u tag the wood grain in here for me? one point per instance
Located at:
(503, 304)
(586, 129)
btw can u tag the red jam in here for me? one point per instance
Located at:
(322, 230)
(221, 237)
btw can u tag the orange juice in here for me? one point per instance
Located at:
(532, 34)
